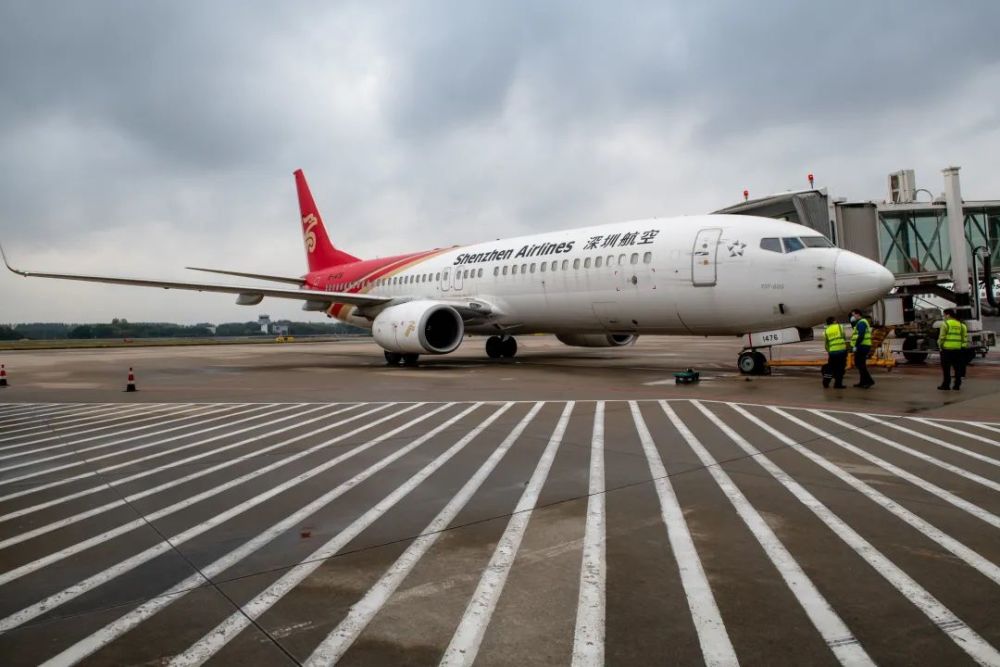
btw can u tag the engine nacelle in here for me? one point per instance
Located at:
(597, 340)
(419, 327)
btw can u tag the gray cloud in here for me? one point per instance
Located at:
(139, 137)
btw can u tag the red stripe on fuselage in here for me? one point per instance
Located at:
(363, 273)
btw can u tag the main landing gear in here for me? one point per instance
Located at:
(501, 347)
(752, 362)
(396, 358)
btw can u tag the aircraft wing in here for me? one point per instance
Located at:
(256, 276)
(248, 295)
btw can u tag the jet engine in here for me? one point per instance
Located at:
(597, 340)
(419, 327)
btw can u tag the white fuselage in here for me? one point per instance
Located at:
(704, 274)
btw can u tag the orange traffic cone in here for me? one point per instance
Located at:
(3, 376)
(131, 380)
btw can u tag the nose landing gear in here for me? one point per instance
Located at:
(501, 347)
(752, 362)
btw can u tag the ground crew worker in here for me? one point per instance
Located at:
(836, 350)
(954, 343)
(861, 341)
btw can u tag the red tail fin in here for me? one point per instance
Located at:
(320, 253)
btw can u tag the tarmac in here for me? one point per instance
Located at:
(305, 504)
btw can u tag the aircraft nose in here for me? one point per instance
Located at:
(860, 281)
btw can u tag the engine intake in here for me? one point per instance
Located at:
(420, 327)
(597, 340)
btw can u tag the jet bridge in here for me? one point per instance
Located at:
(913, 239)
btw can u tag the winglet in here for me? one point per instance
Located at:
(4, 255)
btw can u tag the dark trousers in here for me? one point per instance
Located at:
(952, 359)
(836, 365)
(861, 363)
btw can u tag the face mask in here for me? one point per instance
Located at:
(853, 319)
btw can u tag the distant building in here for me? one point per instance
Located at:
(279, 329)
(265, 323)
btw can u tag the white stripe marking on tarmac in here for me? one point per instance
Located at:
(49, 603)
(124, 464)
(936, 441)
(920, 482)
(588, 636)
(716, 647)
(63, 415)
(957, 431)
(468, 636)
(965, 637)
(831, 627)
(57, 423)
(76, 452)
(115, 629)
(964, 553)
(212, 642)
(170, 509)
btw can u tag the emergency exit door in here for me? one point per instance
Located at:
(704, 256)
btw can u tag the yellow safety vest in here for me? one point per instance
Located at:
(954, 335)
(867, 340)
(835, 339)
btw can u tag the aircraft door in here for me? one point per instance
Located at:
(704, 257)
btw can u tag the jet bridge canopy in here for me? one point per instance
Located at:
(909, 239)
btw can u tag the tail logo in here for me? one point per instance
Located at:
(309, 222)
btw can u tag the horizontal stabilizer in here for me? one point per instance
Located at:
(255, 276)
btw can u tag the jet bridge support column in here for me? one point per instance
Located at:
(956, 237)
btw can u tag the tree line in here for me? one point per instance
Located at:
(122, 328)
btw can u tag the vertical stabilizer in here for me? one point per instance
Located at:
(320, 253)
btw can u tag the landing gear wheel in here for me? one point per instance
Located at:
(752, 363)
(910, 352)
(494, 347)
(393, 358)
(508, 347)
(410, 359)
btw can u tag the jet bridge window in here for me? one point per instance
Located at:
(772, 244)
(792, 244)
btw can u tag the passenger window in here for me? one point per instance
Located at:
(586, 262)
(542, 267)
(505, 270)
(532, 267)
(513, 270)
(621, 260)
(496, 270)
(555, 265)
(480, 272)
(576, 263)
(597, 262)
(565, 264)
(524, 268)
(772, 244)
(792, 244)
(437, 276)
(634, 259)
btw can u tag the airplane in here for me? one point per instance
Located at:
(599, 286)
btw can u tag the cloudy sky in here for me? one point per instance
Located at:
(140, 137)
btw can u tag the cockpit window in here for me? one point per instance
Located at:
(792, 244)
(772, 244)
(816, 242)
